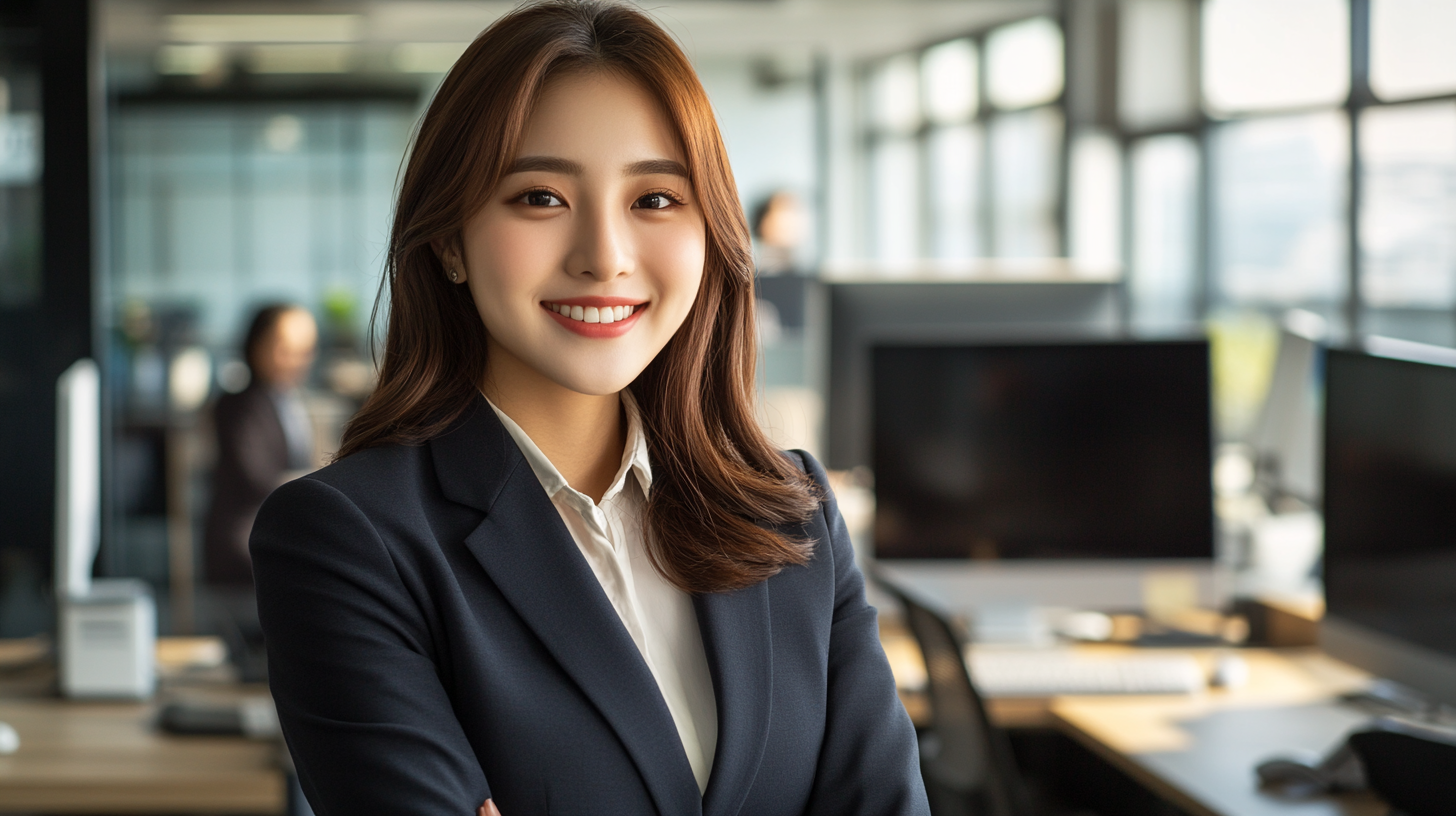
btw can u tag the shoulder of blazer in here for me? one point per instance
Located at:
(467, 464)
(387, 481)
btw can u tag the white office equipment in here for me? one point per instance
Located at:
(108, 641)
(1286, 437)
(108, 628)
(78, 476)
(1051, 672)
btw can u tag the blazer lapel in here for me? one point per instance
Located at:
(532, 559)
(739, 644)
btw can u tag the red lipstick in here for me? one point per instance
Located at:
(597, 330)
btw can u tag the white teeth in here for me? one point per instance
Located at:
(593, 314)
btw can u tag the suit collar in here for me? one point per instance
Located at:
(475, 457)
(531, 558)
(529, 554)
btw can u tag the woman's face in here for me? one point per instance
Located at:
(588, 255)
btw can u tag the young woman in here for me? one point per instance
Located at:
(556, 567)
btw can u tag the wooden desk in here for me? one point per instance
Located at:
(107, 758)
(92, 757)
(1199, 752)
(1196, 751)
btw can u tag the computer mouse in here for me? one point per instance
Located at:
(1286, 771)
(1230, 671)
(9, 739)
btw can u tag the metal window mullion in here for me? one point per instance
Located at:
(1358, 100)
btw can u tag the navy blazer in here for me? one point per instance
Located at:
(435, 638)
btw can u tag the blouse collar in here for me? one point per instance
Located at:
(634, 454)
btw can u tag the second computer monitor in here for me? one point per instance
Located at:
(1043, 451)
(1390, 519)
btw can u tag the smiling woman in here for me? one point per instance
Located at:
(557, 567)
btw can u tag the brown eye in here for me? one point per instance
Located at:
(541, 198)
(654, 201)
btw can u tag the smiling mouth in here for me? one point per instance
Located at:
(594, 314)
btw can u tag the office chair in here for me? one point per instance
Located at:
(966, 762)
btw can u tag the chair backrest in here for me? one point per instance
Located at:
(969, 755)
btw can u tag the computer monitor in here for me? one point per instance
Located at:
(1390, 515)
(864, 314)
(1062, 472)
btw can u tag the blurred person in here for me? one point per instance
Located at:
(780, 223)
(264, 437)
(556, 566)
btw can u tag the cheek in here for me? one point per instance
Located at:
(679, 255)
(508, 255)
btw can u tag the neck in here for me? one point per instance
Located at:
(583, 435)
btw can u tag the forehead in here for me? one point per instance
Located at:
(599, 117)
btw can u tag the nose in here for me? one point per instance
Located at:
(601, 245)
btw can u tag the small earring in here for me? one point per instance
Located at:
(454, 275)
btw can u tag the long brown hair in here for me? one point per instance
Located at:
(718, 485)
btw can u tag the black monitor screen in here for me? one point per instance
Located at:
(1390, 497)
(1089, 450)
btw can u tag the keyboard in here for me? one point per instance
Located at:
(1046, 673)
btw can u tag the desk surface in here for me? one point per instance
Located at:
(1197, 751)
(95, 757)
(107, 758)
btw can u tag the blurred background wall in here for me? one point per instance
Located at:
(1212, 165)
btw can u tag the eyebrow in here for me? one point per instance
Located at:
(567, 167)
(657, 167)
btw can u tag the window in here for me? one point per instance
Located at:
(951, 76)
(1410, 48)
(1094, 201)
(1275, 54)
(1408, 221)
(1231, 125)
(1278, 221)
(1162, 273)
(223, 206)
(953, 177)
(1024, 64)
(1156, 79)
(955, 154)
(1025, 149)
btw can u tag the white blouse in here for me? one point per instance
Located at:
(658, 615)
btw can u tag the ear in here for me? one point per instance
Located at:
(448, 251)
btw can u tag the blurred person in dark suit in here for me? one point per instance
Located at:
(264, 437)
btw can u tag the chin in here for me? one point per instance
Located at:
(595, 383)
